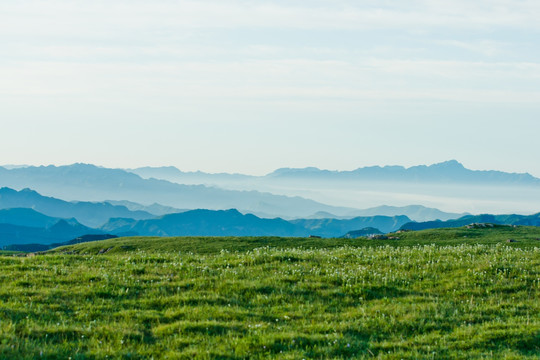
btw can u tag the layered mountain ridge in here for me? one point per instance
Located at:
(88, 213)
(27, 226)
(91, 183)
(87, 200)
(451, 170)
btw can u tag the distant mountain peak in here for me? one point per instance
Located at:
(450, 164)
(446, 171)
(287, 170)
(169, 168)
(28, 191)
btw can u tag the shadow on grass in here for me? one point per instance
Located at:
(380, 292)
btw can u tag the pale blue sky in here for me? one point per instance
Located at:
(250, 86)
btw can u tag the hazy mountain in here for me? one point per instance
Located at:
(10, 166)
(446, 171)
(120, 226)
(326, 215)
(27, 226)
(92, 183)
(173, 174)
(233, 223)
(154, 209)
(87, 213)
(208, 223)
(530, 220)
(338, 227)
(447, 185)
(413, 212)
(27, 217)
(452, 171)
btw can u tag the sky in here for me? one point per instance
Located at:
(251, 86)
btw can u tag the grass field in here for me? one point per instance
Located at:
(440, 294)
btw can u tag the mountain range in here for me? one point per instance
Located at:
(287, 193)
(452, 171)
(88, 213)
(91, 183)
(154, 209)
(54, 204)
(414, 212)
(513, 219)
(233, 223)
(27, 226)
(96, 194)
(95, 214)
(447, 185)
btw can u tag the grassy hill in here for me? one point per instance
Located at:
(447, 293)
(524, 236)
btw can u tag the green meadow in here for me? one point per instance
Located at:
(435, 294)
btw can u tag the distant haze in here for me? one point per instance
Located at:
(239, 86)
(447, 186)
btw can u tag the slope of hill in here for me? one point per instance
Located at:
(276, 298)
(525, 237)
(45, 247)
(88, 213)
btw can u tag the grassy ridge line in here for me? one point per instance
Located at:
(10, 252)
(524, 236)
